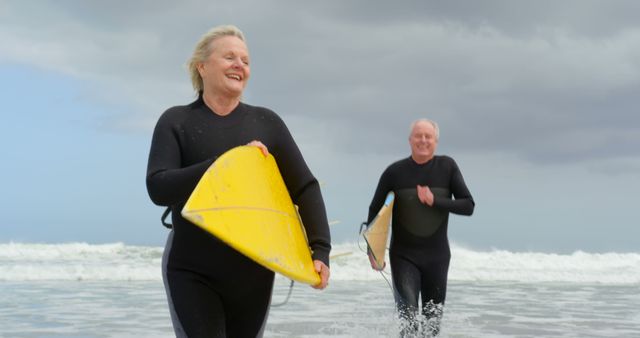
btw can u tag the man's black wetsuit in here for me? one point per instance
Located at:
(213, 290)
(419, 253)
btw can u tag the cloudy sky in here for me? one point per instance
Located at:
(537, 102)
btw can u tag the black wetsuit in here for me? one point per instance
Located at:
(213, 290)
(419, 253)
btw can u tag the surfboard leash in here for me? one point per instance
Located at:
(382, 273)
(286, 298)
(163, 219)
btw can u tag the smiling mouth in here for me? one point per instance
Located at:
(235, 77)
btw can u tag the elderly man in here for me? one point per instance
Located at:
(427, 188)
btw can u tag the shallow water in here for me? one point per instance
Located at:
(345, 309)
(115, 290)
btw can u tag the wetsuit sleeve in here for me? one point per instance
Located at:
(305, 193)
(380, 195)
(167, 182)
(463, 203)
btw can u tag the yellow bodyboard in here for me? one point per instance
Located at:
(377, 233)
(242, 200)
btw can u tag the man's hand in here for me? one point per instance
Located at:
(374, 264)
(425, 195)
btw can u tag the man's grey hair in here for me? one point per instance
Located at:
(433, 123)
(203, 49)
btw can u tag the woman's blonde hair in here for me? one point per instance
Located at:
(203, 49)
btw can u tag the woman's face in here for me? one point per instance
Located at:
(226, 71)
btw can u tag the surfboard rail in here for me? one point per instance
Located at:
(376, 235)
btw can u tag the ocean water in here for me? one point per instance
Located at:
(115, 290)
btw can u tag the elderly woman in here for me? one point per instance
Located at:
(213, 290)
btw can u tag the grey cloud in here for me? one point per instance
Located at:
(549, 82)
(491, 91)
(514, 18)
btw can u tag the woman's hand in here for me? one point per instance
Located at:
(323, 270)
(256, 143)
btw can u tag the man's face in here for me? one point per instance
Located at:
(423, 141)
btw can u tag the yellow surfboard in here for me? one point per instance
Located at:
(242, 200)
(377, 233)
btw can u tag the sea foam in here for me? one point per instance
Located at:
(118, 261)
